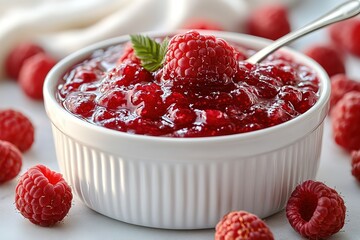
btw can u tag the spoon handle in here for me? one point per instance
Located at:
(341, 12)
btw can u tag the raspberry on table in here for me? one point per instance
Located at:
(33, 73)
(315, 211)
(10, 161)
(195, 59)
(242, 225)
(269, 21)
(355, 164)
(17, 57)
(345, 118)
(341, 84)
(328, 57)
(43, 196)
(351, 37)
(16, 128)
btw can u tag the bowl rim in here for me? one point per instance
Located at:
(51, 83)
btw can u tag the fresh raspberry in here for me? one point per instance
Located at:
(17, 57)
(355, 164)
(346, 35)
(128, 55)
(16, 128)
(341, 84)
(269, 22)
(203, 25)
(242, 225)
(198, 59)
(351, 37)
(33, 72)
(345, 118)
(43, 196)
(328, 57)
(10, 161)
(315, 211)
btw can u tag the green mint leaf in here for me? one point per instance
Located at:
(150, 52)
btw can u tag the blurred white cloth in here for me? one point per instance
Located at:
(63, 26)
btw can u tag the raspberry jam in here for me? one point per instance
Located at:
(123, 96)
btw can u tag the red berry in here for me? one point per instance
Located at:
(10, 161)
(197, 59)
(33, 72)
(43, 196)
(79, 103)
(355, 164)
(17, 57)
(203, 25)
(341, 84)
(346, 35)
(125, 74)
(351, 37)
(128, 55)
(16, 129)
(269, 22)
(242, 225)
(315, 211)
(345, 118)
(328, 57)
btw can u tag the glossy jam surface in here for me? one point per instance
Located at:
(126, 97)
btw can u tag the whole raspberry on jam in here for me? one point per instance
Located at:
(328, 57)
(17, 57)
(198, 59)
(43, 196)
(355, 164)
(10, 161)
(341, 84)
(242, 225)
(33, 72)
(345, 118)
(16, 128)
(269, 22)
(315, 211)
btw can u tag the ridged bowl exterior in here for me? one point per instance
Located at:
(185, 183)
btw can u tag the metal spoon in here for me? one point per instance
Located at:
(344, 11)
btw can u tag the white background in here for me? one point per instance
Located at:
(83, 223)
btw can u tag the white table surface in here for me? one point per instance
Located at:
(83, 223)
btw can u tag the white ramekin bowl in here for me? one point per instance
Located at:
(190, 183)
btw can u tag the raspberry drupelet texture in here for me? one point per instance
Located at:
(328, 57)
(269, 21)
(10, 161)
(340, 85)
(16, 128)
(43, 196)
(199, 59)
(315, 211)
(355, 164)
(17, 57)
(242, 225)
(345, 118)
